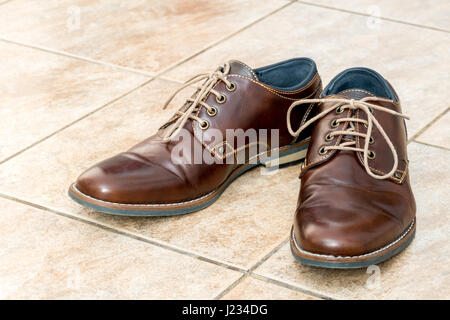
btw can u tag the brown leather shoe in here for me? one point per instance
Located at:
(355, 207)
(162, 176)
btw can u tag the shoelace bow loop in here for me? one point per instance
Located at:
(210, 80)
(352, 104)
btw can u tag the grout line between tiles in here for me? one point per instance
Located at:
(170, 79)
(77, 57)
(267, 256)
(76, 120)
(245, 273)
(231, 286)
(290, 286)
(153, 77)
(368, 15)
(176, 64)
(166, 246)
(160, 75)
(250, 273)
(431, 145)
(428, 125)
(160, 244)
(138, 71)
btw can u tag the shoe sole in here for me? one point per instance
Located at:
(354, 262)
(287, 156)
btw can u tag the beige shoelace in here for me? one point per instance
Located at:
(340, 106)
(207, 87)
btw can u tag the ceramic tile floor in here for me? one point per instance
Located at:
(81, 80)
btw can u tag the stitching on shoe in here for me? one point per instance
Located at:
(328, 155)
(309, 84)
(311, 106)
(235, 151)
(143, 205)
(357, 90)
(199, 135)
(403, 172)
(351, 257)
(247, 67)
(267, 87)
(308, 111)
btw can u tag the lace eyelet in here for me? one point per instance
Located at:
(339, 110)
(329, 137)
(232, 87)
(221, 99)
(371, 140)
(204, 125)
(334, 123)
(322, 151)
(371, 110)
(371, 155)
(212, 112)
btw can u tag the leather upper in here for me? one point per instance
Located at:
(342, 211)
(146, 173)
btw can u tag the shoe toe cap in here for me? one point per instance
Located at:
(94, 182)
(337, 233)
(128, 180)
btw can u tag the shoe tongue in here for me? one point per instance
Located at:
(237, 67)
(355, 94)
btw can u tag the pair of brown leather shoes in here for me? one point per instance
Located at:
(355, 207)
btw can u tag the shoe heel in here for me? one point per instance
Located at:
(287, 158)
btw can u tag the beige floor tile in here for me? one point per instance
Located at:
(251, 218)
(45, 256)
(438, 133)
(152, 35)
(432, 13)
(41, 92)
(420, 272)
(254, 289)
(414, 60)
